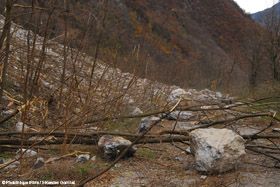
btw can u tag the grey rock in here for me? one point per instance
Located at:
(177, 93)
(213, 97)
(19, 125)
(137, 111)
(188, 150)
(130, 101)
(216, 150)
(89, 129)
(144, 124)
(93, 129)
(82, 158)
(183, 115)
(112, 146)
(154, 118)
(206, 91)
(219, 95)
(40, 162)
(93, 159)
(28, 153)
(203, 176)
(12, 165)
(202, 97)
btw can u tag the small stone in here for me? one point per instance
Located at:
(82, 158)
(12, 165)
(144, 124)
(93, 159)
(131, 101)
(154, 118)
(93, 129)
(19, 125)
(40, 162)
(206, 91)
(203, 176)
(188, 150)
(177, 93)
(177, 158)
(28, 153)
(183, 115)
(202, 97)
(219, 95)
(45, 83)
(137, 111)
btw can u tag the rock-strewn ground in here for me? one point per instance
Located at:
(152, 165)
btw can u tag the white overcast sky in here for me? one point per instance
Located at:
(252, 6)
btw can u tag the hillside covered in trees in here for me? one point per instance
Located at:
(188, 43)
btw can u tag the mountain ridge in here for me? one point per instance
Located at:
(258, 16)
(188, 43)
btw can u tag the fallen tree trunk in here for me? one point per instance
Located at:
(94, 140)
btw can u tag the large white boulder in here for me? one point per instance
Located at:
(216, 150)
